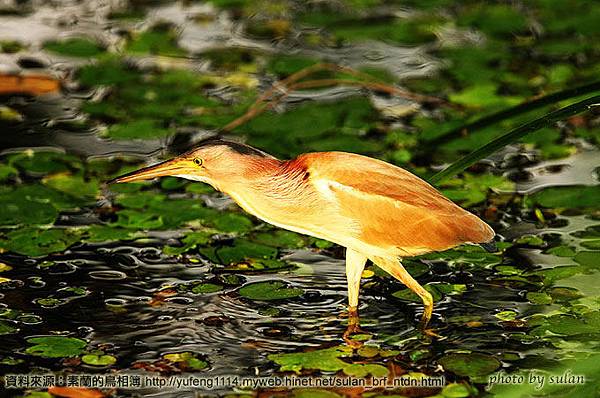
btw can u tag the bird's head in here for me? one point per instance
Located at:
(215, 162)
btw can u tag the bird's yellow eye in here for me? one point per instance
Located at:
(198, 161)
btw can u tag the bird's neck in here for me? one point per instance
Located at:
(271, 186)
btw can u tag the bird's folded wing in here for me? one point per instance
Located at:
(397, 209)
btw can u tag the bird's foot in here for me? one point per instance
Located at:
(353, 329)
(432, 333)
(350, 331)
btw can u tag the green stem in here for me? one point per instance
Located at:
(513, 136)
(513, 111)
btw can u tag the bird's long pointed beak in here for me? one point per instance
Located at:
(167, 168)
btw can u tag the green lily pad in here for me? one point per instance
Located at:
(18, 209)
(159, 40)
(280, 238)
(75, 47)
(49, 302)
(456, 390)
(506, 315)
(38, 242)
(7, 171)
(106, 233)
(315, 127)
(55, 346)
(285, 65)
(588, 259)
(570, 197)
(484, 95)
(473, 189)
(530, 240)
(172, 183)
(206, 288)
(43, 162)
(326, 359)
(11, 46)
(138, 129)
(241, 250)
(365, 369)
(187, 359)
(10, 361)
(539, 298)
(190, 242)
(232, 222)
(554, 274)
(314, 393)
(7, 328)
(270, 290)
(591, 244)
(561, 251)
(109, 71)
(437, 291)
(569, 325)
(74, 186)
(471, 365)
(262, 265)
(494, 19)
(99, 360)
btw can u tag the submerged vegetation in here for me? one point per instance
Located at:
(168, 277)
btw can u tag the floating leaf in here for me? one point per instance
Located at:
(271, 290)
(203, 288)
(191, 241)
(73, 185)
(55, 346)
(106, 233)
(326, 359)
(364, 369)
(263, 265)
(280, 238)
(74, 392)
(38, 242)
(159, 40)
(456, 390)
(241, 250)
(473, 189)
(471, 365)
(7, 171)
(75, 47)
(437, 290)
(138, 129)
(43, 162)
(506, 315)
(188, 360)
(19, 209)
(590, 259)
(232, 222)
(539, 298)
(314, 393)
(570, 197)
(99, 360)
(7, 328)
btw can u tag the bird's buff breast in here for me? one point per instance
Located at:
(305, 213)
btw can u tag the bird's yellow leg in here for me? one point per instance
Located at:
(394, 268)
(355, 264)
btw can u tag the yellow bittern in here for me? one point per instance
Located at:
(376, 210)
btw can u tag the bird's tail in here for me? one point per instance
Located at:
(490, 246)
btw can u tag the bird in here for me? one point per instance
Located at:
(377, 211)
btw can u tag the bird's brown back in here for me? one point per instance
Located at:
(393, 207)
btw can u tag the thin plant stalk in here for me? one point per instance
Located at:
(513, 111)
(513, 136)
